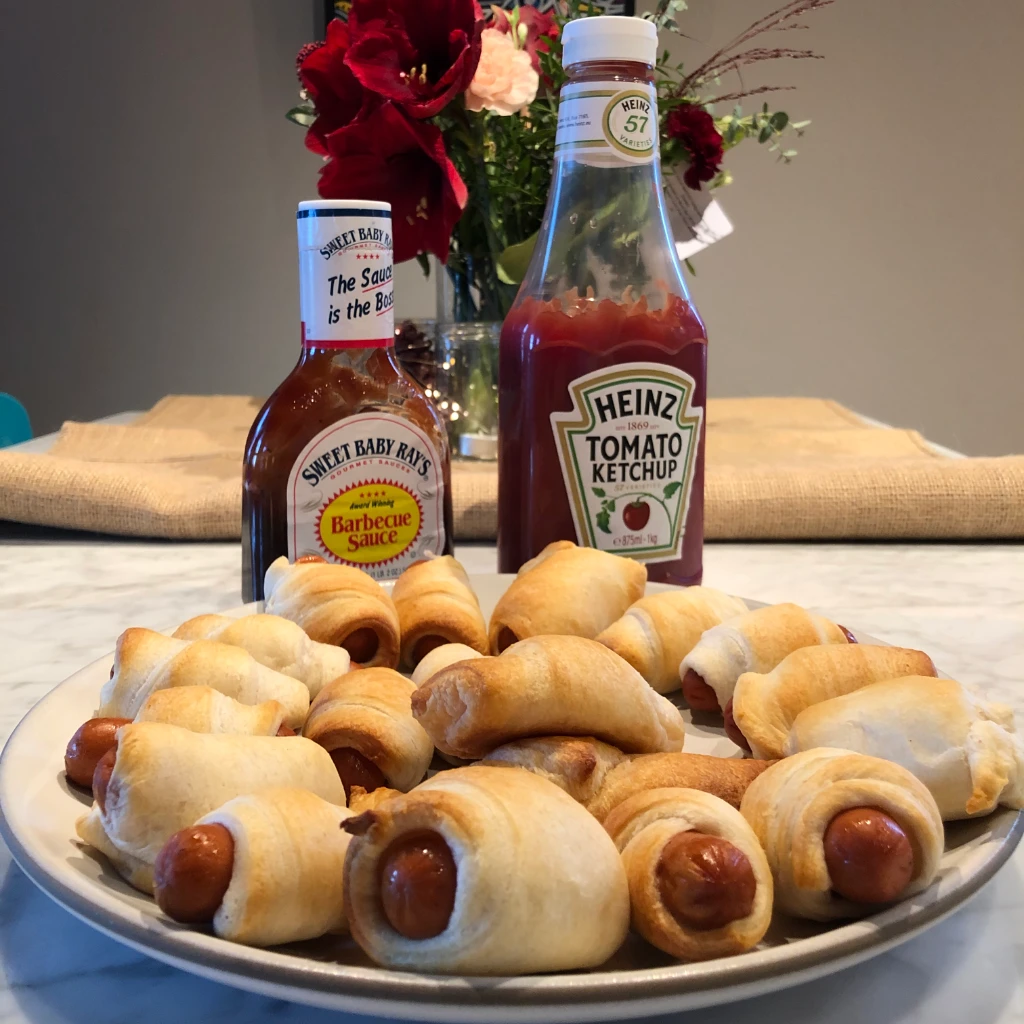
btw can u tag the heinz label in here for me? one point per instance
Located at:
(627, 451)
(602, 123)
(368, 492)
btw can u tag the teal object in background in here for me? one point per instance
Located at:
(14, 424)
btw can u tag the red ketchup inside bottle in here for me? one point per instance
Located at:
(544, 349)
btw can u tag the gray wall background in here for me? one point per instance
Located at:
(148, 182)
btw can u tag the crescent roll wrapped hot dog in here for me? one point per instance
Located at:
(263, 869)
(844, 833)
(764, 707)
(198, 708)
(275, 642)
(699, 882)
(145, 662)
(161, 778)
(338, 605)
(724, 777)
(484, 870)
(436, 606)
(577, 764)
(364, 720)
(566, 590)
(442, 657)
(753, 642)
(548, 685)
(963, 748)
(659, 630)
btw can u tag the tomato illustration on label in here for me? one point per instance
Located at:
(636, 515)
(371, 523)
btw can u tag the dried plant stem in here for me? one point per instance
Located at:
(727, 59)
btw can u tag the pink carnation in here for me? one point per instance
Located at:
(505, 80)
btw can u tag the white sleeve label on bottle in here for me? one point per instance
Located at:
(345, 271)
(609, 120)
(628, 450)
(368, 491)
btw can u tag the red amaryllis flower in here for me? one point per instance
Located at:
(540, 28)
(419, 53)
(335, 91)
(388, 157)
(694, 129)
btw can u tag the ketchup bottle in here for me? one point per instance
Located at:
(348, 459)
(603, 357)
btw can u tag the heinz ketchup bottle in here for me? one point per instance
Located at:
(603, 359)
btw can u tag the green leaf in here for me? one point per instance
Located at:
(672, 488)
(604, 522)
(512, 263)
(779, 120)
(689, 266)
(303, 116)
(600, 493)
(765, 133)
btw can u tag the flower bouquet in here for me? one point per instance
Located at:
(449, 111)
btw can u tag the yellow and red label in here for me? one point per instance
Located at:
(367, 491)
(371, 524)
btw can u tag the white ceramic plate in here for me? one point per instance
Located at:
(38, 811)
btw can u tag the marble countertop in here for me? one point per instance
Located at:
(63, 602)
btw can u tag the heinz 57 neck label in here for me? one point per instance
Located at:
(346, 290)
(608, 123)
(627, 451)
(369, 492)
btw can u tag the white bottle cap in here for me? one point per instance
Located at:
(345, 204)
(609, 37)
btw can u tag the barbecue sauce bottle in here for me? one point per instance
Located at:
(348, 459)
(603, 357)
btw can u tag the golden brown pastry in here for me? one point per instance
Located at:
(963, 748)
(364, 720)
(753, 642)
(275, 642)
(724, 777)
(442, 657)
(844, 833)
(577, 764)
(659, 630)
(436, 605)
(336, 604)
(699, 883)
(360, 800)
(272, 868)
(484, 870)
(545, 686)
(203, 709)
(145, 662)
(568, 591)
(162, 778)
(764, 706)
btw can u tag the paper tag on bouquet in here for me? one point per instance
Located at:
(696, 219)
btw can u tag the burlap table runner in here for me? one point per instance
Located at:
(777, 468)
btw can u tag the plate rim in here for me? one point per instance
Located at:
(380, 991)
